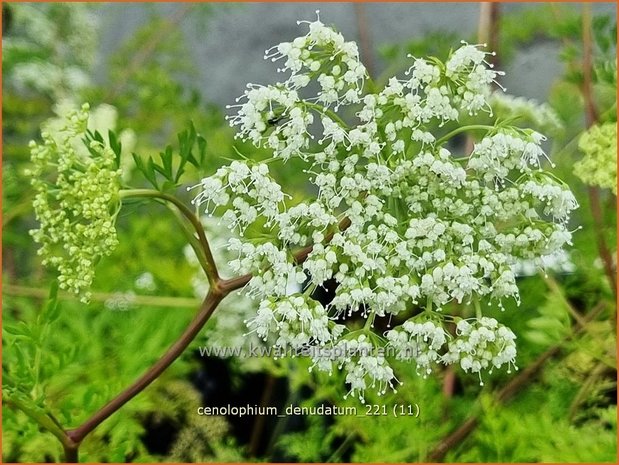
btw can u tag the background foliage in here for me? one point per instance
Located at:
(64, 359)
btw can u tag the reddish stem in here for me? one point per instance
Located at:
(219, 290)
(591, 118)
(509, 390)
(206, 310)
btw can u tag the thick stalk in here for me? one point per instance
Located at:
(219, 290)
(211, 267)
(71, 453)
(591, 118)
(206, 310)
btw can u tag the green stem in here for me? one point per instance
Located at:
(337, 455)
(461, 129)
(370, 321)
(210, 266)
(209, 305)
(145, 300)
(191, 239)
(331, 114)
(478, 312)
(428, 304)
(43, 420)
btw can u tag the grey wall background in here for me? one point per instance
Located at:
(227, 44)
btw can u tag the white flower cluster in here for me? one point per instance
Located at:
(541, 115)
(482, 344)
(472, 74)
(250, 192)
(296, 319)
(365, 364)
(77, 209)
(496, 156)
(340, 77)
(420, 342)
(277, 270)
(366, 368)
(478, 344)
(559, 200)
(397, 222)
(276, 116)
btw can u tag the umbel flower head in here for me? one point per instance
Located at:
(599, 165)
(76, 180)
(402, 225)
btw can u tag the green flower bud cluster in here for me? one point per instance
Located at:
(77, 185)
(599, 165)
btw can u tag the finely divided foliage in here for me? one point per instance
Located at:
(425, 227)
